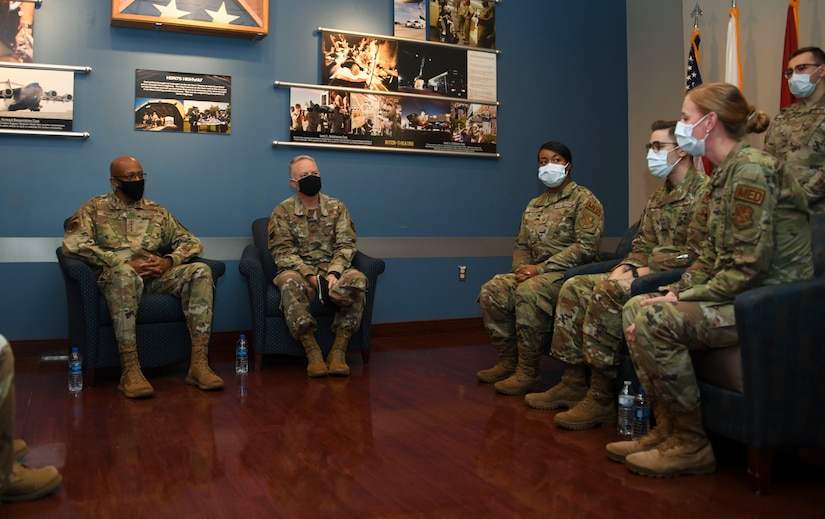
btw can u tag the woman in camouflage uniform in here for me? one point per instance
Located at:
(560, 229)
(758, 234)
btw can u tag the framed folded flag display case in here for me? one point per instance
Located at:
(231, 18)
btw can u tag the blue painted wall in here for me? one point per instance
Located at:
(562, 75)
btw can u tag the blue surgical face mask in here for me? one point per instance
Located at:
(800, 85)
(552, 175)
(686, 140)
(657, 162)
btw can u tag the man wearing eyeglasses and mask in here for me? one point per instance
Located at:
(312, 240)
(796, 136)
(588, 330)
(135, 246)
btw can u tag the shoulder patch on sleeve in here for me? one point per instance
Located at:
(743, 216)
(593, 207)
(750, 194)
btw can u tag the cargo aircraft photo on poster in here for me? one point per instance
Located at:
(36, 99)
(342, 118)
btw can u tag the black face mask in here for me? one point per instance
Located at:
(309, 185)
(133, 190)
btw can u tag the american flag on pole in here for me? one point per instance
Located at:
(694, 77)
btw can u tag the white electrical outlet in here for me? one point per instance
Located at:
(462, 273)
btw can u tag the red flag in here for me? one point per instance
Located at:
(791, 44)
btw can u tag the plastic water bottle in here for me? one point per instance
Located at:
(75, 371)
(641, 415)
(242, 355)
(626, 410)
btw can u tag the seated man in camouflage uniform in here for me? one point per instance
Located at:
(17, 482)
(312, 234)
(121, 234)
(588, 324)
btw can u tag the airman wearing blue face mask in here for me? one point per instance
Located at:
(561, 228)
(796, 137)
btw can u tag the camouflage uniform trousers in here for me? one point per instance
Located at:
(666, 333)
(520, 312)
(191, 283)
(297, 295)
(6, 411)
(588, 327)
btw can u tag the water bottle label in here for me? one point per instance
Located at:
(625, 401)
(242, 353)
(75, 368)
(642, 414)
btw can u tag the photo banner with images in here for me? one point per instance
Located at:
(182, 102)
(386, 64)
(343, 118)
(17, 31)
(471, 23)
(36, 99)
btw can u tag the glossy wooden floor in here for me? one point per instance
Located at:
(413, 435)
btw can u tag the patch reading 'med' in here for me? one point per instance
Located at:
(749, 194)
(593, 207)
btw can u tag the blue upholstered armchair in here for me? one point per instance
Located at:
(162, 336)
(269, 326)
(768, 392)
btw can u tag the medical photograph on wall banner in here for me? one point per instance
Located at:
(327, 116)
(385, 64)
(471, 23)
(182, 102)
(36, 99)
(17, 31)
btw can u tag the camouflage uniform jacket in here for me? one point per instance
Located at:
(106, 232)
(560, 230)
(758, 230)
(796, 137)
(299, 243)
(673, 226)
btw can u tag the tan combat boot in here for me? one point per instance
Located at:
(26, 483)
(618, 451)
(597, 408)
(337, 357)
(19, 449)
(526, 377)
(566, 393)
(686, 451)
(315, 359)
(505, 366)
(132, 382)
(200, 374)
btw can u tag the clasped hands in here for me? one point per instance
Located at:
(151, 268)
(525, 272)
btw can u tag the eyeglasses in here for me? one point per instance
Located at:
(131, 177)
(799, 69)
(657, 145)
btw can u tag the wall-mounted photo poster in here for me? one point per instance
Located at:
(386, 64)
(36, 99)
(410, 19)
(233, 18)
(353, 119)
(463, 22)
(16, 31)
(424, 68)
(182, 102)
(357, 61)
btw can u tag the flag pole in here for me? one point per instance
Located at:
(696, 13)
